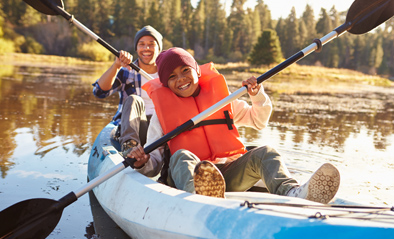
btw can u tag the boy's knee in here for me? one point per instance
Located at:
(183, 155)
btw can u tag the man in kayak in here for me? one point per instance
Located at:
(135, 107)
(210, 159)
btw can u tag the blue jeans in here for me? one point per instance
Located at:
(263, 163)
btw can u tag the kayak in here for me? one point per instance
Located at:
(144, 208)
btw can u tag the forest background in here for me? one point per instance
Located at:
(207, 30)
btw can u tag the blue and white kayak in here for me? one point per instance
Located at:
(144, 208)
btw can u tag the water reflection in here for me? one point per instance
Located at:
(330, 120)
(54, 104)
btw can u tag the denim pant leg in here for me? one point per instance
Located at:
(180, 172)
(260, 163)
(134, 123)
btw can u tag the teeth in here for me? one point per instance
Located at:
(184, 86)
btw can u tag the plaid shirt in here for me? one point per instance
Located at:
(127, 82)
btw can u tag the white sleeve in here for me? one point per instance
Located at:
(155, 162)
(255, 116)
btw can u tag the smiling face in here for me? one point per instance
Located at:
(183, 81)
(147, 50)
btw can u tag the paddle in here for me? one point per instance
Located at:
(36, 218)
(56, 7)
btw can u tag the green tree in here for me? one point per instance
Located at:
(256, 25)
(127, 17)
(221, 43)
(331, 50)
(292, 40)
(265, 15)
(323, 27)
(267, 50)
(241, 26)
(153, 18)
(307, 29)
(387, 64)
(197, 30)
(377, 53)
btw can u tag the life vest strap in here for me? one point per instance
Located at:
(228, 121)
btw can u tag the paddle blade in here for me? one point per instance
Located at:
(365, 15)
(44, 6)
(33, 218)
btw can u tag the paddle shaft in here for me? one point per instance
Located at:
(83, 28)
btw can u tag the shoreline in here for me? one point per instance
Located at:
(295, 79)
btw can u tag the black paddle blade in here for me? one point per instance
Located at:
(365, 15)
(33, 218)
(43, 6)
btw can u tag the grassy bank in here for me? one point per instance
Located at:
(293, 79)
(48, 59)
(300, 78)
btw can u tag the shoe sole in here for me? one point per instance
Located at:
(323, 184)
(208, 180)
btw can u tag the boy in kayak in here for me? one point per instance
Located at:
(210, 159)
(135, 107)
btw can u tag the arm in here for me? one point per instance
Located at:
(106, 81)
(257, 115)
(149, 164)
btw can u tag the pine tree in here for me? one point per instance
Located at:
(292, 41)
(265, 15)
(198, 28)
(308, 18)
(153, 18)
(267, 50)
(331, 50)
(281, 31)
(323, 26)
(256, 25)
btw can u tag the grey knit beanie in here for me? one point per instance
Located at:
(149, 31)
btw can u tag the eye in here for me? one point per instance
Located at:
(186, 69)
(171, 77)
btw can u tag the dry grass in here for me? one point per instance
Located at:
(299, 78)
(48, 59)
(295, 78)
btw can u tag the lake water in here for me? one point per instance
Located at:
(49, 120)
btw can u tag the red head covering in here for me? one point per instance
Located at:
(169, 60)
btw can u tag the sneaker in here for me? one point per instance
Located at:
(321, 187)
(208, 180)
(127, 146)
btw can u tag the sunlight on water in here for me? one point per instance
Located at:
(366, 172)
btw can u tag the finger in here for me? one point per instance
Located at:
(141, 149)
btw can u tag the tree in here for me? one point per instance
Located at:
(265, 15)
(127, 17)
(292, 41)
(308, 20)
(331, 51)
(267, 50)
(241, 26)
(198, 28)
(153, 18)
(256, 25)
(323, 26)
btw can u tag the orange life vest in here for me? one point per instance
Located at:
(207, 142)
